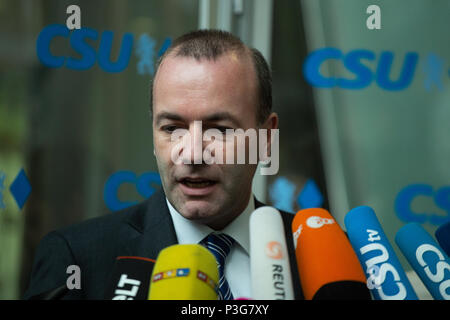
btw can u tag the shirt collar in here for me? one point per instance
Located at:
(191, 232)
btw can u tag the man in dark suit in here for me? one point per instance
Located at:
(205, 80)
(142, 230)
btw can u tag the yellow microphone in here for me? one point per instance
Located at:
(184, 272)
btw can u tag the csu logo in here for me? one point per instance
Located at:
(78, 41)
(378, 268)
(363, 76)
(439, 267)
(145, 185)
(356, 62)
(83, 42)
(405, 210)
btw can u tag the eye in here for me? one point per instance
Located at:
(169, 128)
(223, 130)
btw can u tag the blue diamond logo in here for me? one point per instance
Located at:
(20, 189)
(282, 194)
(165, 46)
(310, 196)
(2, 186)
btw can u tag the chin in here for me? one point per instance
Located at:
(198, 210)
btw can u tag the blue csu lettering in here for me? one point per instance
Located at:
(89, 55)
(353, 61)
(145, 185)
(406, 196)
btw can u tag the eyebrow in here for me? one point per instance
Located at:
(167, 116)
(218, 116)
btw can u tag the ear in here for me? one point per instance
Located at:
(270, 123)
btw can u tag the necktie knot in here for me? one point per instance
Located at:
(219, 244)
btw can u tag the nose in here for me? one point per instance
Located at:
(192, 152)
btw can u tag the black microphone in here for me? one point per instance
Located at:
(130, 279)
(54, 294)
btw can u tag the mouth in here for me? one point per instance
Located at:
(197, 182)
(197, 186)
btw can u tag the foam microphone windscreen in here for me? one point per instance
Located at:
(443, 237)
(271, 276)
(328, 267)
(130, 279)
(428, 260)
(184, 272)
(385, 276)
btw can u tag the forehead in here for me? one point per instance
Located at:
(195, 87)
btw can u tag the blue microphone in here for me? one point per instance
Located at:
(426, 257)
(386, 278)
(443, 237)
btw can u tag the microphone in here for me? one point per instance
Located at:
(184, 272)
(429, 261)
(386, 278)
(271, 276)
(443, 237)
(130, 279)
(328, 267)
(54, 294)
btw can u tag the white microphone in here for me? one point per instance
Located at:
(271, 276)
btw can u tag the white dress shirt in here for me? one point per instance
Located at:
(237, 265)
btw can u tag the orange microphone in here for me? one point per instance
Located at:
(328, 267)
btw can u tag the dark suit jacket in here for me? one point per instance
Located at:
(141, 230)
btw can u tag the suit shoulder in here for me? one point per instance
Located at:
(110, 222)
(101, 236)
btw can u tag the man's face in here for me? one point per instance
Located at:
(222, 95)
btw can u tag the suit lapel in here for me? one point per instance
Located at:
(154, 226)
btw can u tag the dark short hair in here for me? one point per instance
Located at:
(210, 45)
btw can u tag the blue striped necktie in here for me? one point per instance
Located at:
(220, 245)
